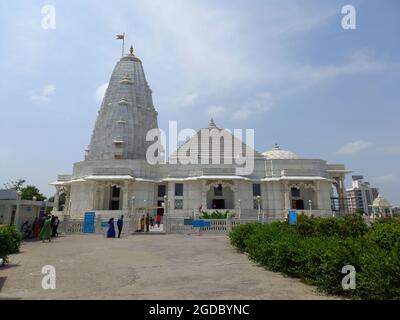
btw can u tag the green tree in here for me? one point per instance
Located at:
(359, 211)
(28, 192)
(16, 185)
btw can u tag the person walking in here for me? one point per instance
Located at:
(36, 228)
(45, 233)
(142, 223)
(148, 222)
(54, 227)
(111, 229)
(158, 220)
(151, 222)
(120, 225)
(26, 230)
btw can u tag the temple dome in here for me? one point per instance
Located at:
(277, 153)
(380, 201)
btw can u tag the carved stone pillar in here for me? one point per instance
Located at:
(67, 206)
(56, 199)
(96, 197)
(203, 195)
(236, 195)
(102, 195)
(317, 196)
(125, 196)
(287, 195)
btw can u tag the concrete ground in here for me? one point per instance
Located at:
(144, 267)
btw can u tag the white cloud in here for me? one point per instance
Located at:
(354, 147)
(190, 99)
(101, 91)
(359, 62)
(216, 111)
(391, 150)
(384, 178)
(260, 103)
(295, 78)
(47, 91)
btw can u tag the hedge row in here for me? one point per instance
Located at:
(10, 241)
(317, 249)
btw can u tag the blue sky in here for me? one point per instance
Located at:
(285, 68)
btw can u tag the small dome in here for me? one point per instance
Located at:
(277, 153)
(380, 201)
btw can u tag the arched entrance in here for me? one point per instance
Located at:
(220, 196)
(149, 219)
(302, 195)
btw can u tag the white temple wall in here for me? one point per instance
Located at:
(82, 198)
(325, 188)
(245, 194)
(192, 195)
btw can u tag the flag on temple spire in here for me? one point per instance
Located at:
(122, 37)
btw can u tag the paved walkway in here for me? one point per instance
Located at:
(144, 267)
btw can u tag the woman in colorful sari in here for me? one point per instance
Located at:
(45, 233)
(111, 229)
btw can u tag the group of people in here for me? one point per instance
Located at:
(146, 223)
(50, 228)
(111, 227)
(44, 228)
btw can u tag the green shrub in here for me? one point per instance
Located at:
(240, 233)
(385, 234)
(269, 241)
(10, 241)
(379, 276)
(317, 249)
(214, 215)
(322, 262)
(352, 225)
(305, 225)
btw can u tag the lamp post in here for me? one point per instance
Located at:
(263, 216)
(165, 205)
(259, 207)
(16, 222)
(310, 206)
(133, 207)
(34, 198)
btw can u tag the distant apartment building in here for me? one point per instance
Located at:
(361, 195)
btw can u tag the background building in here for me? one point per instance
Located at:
(362, 195)
(16, 211)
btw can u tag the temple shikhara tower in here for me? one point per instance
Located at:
(116, 178)
(126, 114)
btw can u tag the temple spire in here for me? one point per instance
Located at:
(212, 125)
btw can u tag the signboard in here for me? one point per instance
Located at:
(188, 222)
(88, 222)
(292, 217)
(201, 223)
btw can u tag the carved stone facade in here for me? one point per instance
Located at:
(115, 177)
